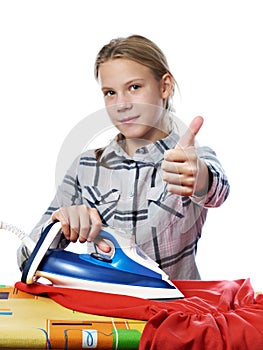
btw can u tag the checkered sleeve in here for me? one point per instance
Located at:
(67, 194)
(219, 186)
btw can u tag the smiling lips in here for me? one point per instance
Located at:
(128, 120)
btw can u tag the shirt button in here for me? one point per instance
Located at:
(142, 150)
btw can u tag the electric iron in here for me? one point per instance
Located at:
(126, 270)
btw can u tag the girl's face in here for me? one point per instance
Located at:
(134, 99)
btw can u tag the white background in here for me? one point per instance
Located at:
(47, 86)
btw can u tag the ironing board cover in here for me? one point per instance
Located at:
(214, 315)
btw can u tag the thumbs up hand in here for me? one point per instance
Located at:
(185, 173)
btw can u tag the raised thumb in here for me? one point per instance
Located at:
(188, 138)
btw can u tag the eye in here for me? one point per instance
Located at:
(134, 87)
(109, 93)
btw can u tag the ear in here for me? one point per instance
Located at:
(167, 85)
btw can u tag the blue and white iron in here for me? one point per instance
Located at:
(126, 270)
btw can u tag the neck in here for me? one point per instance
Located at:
(131, 145)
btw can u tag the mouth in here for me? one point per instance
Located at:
(129, 120)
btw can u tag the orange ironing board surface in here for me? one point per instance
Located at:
(37, 322)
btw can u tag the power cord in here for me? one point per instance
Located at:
(27, 241)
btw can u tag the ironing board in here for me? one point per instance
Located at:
(214, 315)
(36, 322)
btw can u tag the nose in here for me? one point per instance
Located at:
(123, 104)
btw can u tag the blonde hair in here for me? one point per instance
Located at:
(141, 50)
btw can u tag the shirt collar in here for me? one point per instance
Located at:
(152, 153)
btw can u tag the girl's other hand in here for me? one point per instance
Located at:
(185, 173)
(79, 222)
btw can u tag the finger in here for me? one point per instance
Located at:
(69, 219)
(187, 140)
(179, 179)
(180, 190)
(179, 155)
(96, 224)
(62, 216)
(85, 224)
(74, 223)
(102, 245)
(178, 171)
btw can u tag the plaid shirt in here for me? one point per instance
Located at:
(129, 194)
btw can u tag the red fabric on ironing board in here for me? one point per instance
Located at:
(214, 315)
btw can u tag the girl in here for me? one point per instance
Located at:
(147, 182)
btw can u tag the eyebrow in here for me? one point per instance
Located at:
(127, 83)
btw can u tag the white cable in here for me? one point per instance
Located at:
(27, 241)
